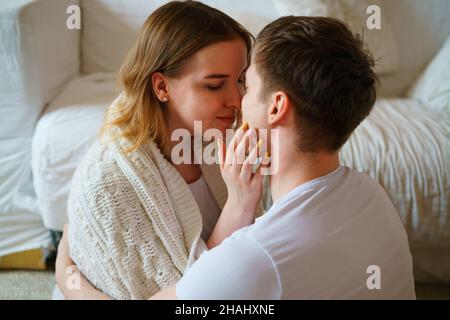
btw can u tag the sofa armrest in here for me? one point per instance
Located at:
(38, 56)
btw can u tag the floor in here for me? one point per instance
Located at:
(38, 285)
(26, 285)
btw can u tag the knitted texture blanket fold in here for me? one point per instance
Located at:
(134, 225)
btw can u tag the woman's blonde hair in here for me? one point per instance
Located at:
(169, 37)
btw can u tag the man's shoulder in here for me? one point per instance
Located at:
(369, 191)
(238, 259)
(364, 180)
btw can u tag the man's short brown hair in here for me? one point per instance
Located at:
(326, 72)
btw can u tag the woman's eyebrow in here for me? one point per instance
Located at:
(216, 76)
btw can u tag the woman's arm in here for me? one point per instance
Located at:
(244, 186)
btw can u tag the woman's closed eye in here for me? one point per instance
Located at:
(218, 86)
(215, 87)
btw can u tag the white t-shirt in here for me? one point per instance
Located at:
(335, 237)
(207, 204)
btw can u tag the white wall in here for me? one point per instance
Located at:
(420, 28)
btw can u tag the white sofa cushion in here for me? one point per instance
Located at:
(433, 86)
(420, 29)
(353, 12)
(63, 135)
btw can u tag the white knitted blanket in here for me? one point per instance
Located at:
(134, 225)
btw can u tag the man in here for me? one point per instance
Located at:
(332, 232)
(329, 226)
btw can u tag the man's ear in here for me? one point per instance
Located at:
(279, 109)
(160, 85)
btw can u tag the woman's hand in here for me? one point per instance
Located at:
(243, 184)
(69, 279)
(236, 163)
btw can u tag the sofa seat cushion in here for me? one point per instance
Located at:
(63, 135)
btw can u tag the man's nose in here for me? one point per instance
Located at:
(235, 98)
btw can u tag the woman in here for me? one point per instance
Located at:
(135, 216)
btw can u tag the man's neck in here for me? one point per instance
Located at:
(295, 169)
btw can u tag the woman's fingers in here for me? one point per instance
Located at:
(248, 142)
(241, 154)
(235, 142)
(253, 160)
(244, 156)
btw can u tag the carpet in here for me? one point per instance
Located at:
(38, 285)
(26, 285)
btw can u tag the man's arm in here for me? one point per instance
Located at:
(73, 285)
(237, 269)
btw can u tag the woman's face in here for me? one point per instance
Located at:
(209, 88)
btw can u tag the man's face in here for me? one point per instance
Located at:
(254, 109)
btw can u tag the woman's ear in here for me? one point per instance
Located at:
(160, 86)
(278, 111)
